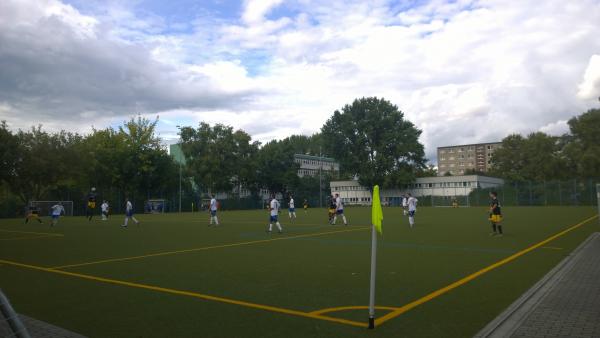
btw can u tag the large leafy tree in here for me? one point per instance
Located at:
(9, 146)
(583, 145)
(217, 157)
(372, 140)
(43, 162)
(276, 169)
(536, 157)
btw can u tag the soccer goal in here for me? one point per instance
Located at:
(156, 206)
(450, 201)
(45, 207)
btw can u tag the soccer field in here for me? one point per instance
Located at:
(173, 276)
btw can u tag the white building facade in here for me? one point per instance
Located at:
(312, 165)
(352, 193)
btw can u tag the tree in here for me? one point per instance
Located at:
(9, 146)
(276, 169)
(536, 157)
(583, 145)
(43, 162)
(217, 157)
(373, 141)
(429, 171)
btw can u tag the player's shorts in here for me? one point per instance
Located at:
(55, 216)
(411, 213)
(292, 209)
(495, 218)
(91, 205)
(340, 211)
(213, 213)
(129, 213)
(305, 207)
(105, 213)
(273, 218)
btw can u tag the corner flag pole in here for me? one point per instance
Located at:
(376, 221)
(373, 273)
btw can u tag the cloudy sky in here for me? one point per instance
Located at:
(463, 71)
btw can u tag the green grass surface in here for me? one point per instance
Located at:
(304, 270)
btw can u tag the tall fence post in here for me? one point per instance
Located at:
(559, 194)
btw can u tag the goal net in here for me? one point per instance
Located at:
(44, 208)
(450, 201)
(156, 206)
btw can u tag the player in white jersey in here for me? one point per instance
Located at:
(57, 209)
(213, 210)
(405, 205)
(129, 213)
(104, 208)
(412, 209)
(339, 209)
(292, 208)
(274, 208)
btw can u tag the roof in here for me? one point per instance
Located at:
(316, 158)
(468, 145)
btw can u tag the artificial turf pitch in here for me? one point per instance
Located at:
(173, 276)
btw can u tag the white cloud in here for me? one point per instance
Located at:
(589, 88)
(255, 10)
(556, 128)
(463, 71)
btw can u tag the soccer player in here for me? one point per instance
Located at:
(213, 210)
(331, 210)
(57, 209)
(292, 208)
(104, 208)
(274, 208)
(412, 209)
(454, 203)
(495, 215)
(405, 205)
(129, 213)
(339, 209)
(305, 204)
(33, 212)
(91, 204)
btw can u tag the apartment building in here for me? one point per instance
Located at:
(458, 159)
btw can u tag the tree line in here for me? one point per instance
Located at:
(541, 157)
(369, 137)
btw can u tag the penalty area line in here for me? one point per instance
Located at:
(477, 274)
(269, 308)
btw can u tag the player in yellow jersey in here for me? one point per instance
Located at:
(495, 215)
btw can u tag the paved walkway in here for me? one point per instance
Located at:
(565, 303)
(38, 329)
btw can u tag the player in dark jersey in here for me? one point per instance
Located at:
(495, 215)
(33, 212)
(91, 204)
(331, 209)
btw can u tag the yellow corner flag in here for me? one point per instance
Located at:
(376, 212)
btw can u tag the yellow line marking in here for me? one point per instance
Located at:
(27, 237)
(189, 294)
(470, 277)
(551, 248)
(348, 308)
(208, 248)
(33, 233)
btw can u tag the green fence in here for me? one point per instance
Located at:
(551, 193)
